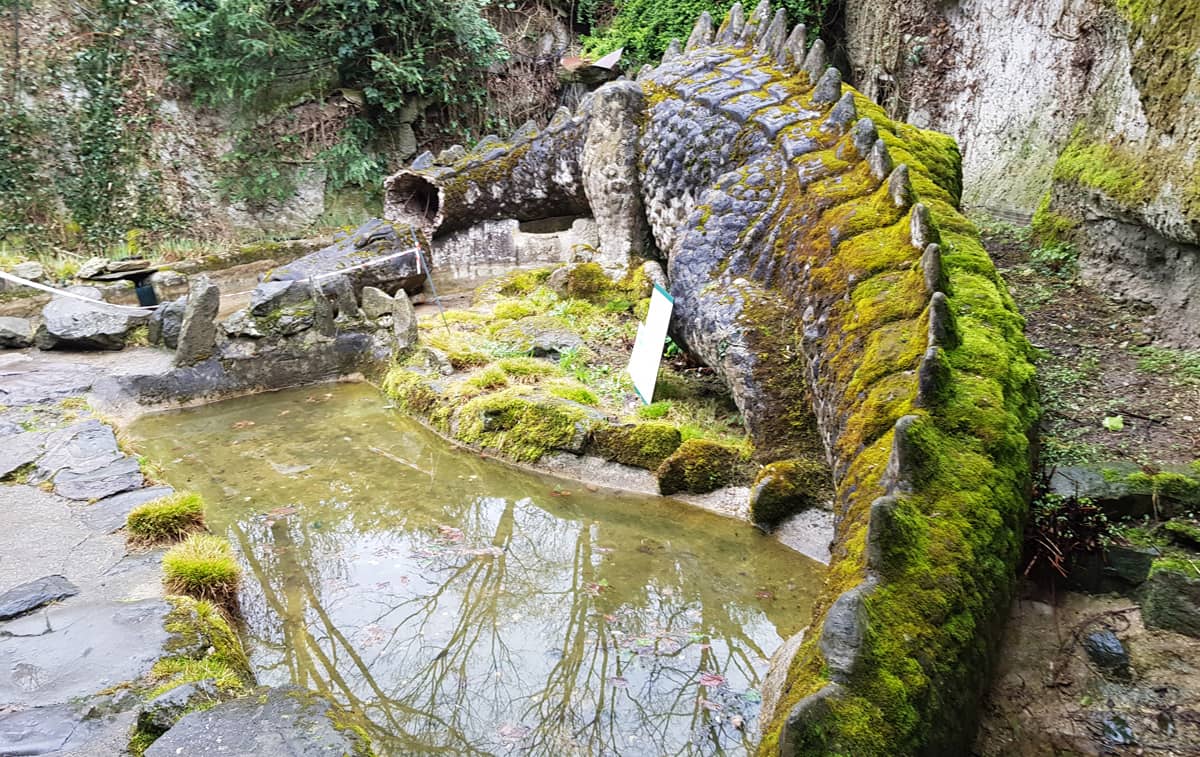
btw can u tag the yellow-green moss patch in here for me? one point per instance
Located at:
(642, 445)
(701, 466)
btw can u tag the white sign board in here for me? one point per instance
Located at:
(648, 347)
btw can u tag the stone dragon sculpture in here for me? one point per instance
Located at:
(819, 263)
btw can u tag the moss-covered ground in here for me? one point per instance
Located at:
(532, 365)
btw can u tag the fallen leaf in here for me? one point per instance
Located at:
(243, 424)
(711, 679)
(737, 722)
(450, 533)
(281, 512)
(712, 706)
(764, 594)
(619, 681)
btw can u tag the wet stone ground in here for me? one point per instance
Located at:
(80, 613)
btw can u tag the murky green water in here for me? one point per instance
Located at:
(468, 608)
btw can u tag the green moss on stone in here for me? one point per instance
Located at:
(522, 426)
(1184, 531)
(700, 466)
(1050, 227)
(642, 445)
(783, 488)
(410, 390)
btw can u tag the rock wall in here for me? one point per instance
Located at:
(1079, 113)
(173, 165)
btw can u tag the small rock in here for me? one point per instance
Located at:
(1171, 600)
(165, 323)
(375, 302)
(268, 723)
(1107, 652)
(404, 322)
(167, 280)
(92, 267)
(31, 270)
(241, 324)
(272, 296)
(15, 333)
(32, 595)
(552, 344)
(1116, 730)
(1142, 340)
(167, 708)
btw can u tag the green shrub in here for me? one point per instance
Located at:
(645, 27)
(203, 566)
(168, 518)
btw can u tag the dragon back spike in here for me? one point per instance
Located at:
(674, 50)
(829, 87)
(880, 160)
(731, 28)
(814, 61)
(899, 187)
(702, 32)
(757, 25)
(794, 50)
(772, 42)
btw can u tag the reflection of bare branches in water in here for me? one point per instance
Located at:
(619, 672)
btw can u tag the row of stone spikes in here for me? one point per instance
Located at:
(786, 51)
(491, 146)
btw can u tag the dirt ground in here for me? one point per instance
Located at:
(1048, 698)
(1098, 359)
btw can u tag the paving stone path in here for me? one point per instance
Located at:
(79, 613)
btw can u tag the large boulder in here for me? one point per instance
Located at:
(375, 254)
(75, 324)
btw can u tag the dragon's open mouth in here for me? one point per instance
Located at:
(414, 199)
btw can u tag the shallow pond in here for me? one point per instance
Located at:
(465, 607)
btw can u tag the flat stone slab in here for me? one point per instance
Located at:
(77, 648)
(33, 594)
(269, 723)
(85, 462)
(108, 515)
(21, 449)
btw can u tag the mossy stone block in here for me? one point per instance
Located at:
(700, 466)
(642, 445)
(786, 487)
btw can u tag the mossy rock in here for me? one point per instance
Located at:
(642, 445)
(700, 466)
(1184, 531)
(1171, 598)
(199, 631)
(787, 487)
(524, 425)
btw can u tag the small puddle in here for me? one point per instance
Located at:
(465, 607)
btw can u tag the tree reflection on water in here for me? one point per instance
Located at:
(463, 608)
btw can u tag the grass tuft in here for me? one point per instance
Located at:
(203, 566)
(166, 519)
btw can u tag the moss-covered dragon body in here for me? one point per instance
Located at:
(818, 261)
